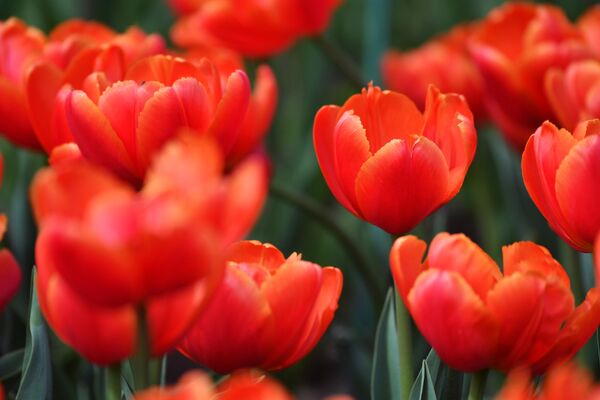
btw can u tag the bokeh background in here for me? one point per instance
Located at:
(493, 207)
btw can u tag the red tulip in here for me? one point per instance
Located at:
(389, 164)
(443, 62)
(10, 273)
(589, 25)
(127, 124)
(253, 28)
(269, 312)
(20, 45)
(514, 47)
(574, 93)
(565, 381)
(105, 251)
(476, 317)
(75, 50)
(560, 171)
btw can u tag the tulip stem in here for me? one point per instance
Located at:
(341, 60)
(112, 382)
(478, 381)
(361, 261)
(146, 370)
(403, 336)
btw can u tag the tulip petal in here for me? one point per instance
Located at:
(237, 319)
(14, 121)
(255, 252)
(406, 261)
(530, 312)
(10, 277)
(543, 154)
(454, 320)
(576, 332)
(459, 254)
(561, 99)
(341, 146)
(385, 115)
(577, 188)
(401, 184)
(94, 135)
(530, 257)
(292, 294)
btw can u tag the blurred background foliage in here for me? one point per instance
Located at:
(493, 207)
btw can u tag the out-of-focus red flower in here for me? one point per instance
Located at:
(269, 312)
(105, 251)
(589, 25)
(194, 385)
(560, 171)
(253, 28)
(388, 163)
(574, 93)
(564, 381)
(444, 62)
(514, 47)
(251, 385)
(10, 273)
(123, 127)
(76, 49)
(476, 317)
(20, 46)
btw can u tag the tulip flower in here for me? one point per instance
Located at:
(20, 46)
(388, 163)
(195, 385)
(76, 49)
(559, 171)
(443, 62)
(106, 253)
(574, 93)
(252, 27)
(564, 381)
(123, 126)
(477, 317)
(10, 273)
(269, 312)
(513, 48)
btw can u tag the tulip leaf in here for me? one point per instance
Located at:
(36, 378)
(10, 364)
(385, 373)
(423, 388)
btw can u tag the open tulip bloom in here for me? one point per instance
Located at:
(390, 164)
(477, 317)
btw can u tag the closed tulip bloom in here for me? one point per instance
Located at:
(476, 317)
(126, 125)
(514, 47)
(574, 93)
(20, 46)
(444, 62)
(105, 251)
(76, 49)
(269, 311)
(560, 171)
(563, 381)
(390, 164)
(253, 28)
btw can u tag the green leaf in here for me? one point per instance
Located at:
(385, 374)
(10, 364)
(423, 388)
(36, 378)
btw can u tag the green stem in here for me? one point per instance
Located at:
(112, 382)
(146, 370)
(403, 329)
(570, 262)
(361, 260)
(342, 61)
(478, 381)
